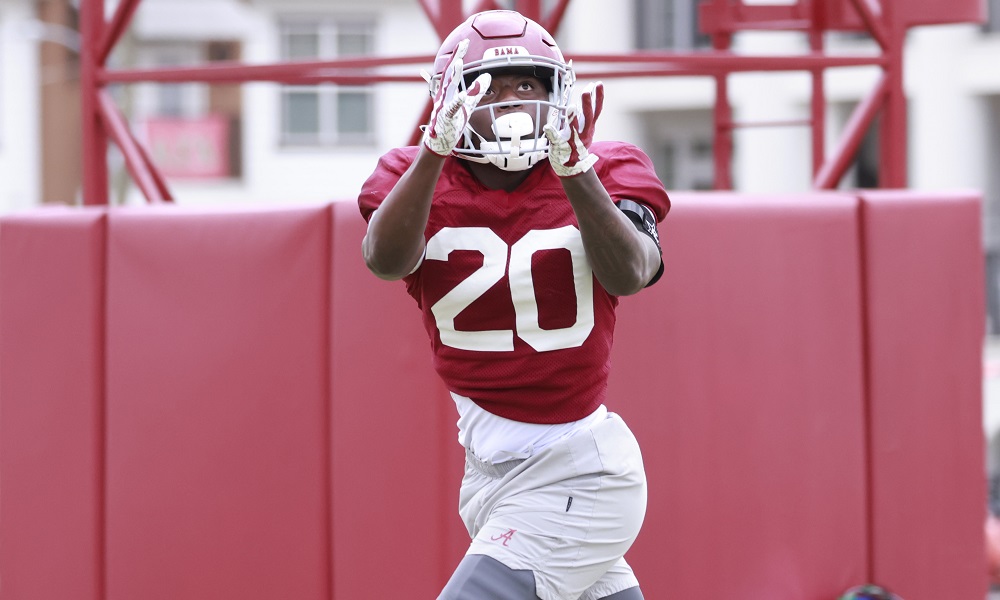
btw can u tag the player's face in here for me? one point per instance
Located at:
(511, 90)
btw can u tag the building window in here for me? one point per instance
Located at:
(685, 163)
(326, 114)
(170, 99)
(192, 130)
(680, 146)
(668, 25)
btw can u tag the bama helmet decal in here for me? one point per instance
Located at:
(501, 51)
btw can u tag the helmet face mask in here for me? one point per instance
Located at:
(501, 42)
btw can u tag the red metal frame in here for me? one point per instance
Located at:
(720, 18)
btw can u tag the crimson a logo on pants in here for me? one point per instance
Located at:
(506, 536)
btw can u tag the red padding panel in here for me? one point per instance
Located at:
(218, 476)
(925, 302)
(51, 331)
(274, 428)
(397, 464)
(741, 375)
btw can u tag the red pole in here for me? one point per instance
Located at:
(854, 132)
(722, 149)
(485, 5)
(95, 141)
(99, 37)
(871, 13)
(530, 8)
(136, 160)
(444, 15)
(113, 32)
(357, 71)
(432, 15)
(555, 17)
(452, 15)
(892, 127)
(817, 103)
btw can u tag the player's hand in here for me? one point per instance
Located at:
(452, 107)
(570, 137)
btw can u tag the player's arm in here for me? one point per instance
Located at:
(394, 244)
(623, 258)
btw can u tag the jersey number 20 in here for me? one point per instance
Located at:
(522, 290)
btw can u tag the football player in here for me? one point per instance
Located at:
(516, 234)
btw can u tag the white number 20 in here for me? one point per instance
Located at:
(522, 288)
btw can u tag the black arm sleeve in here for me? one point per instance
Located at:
(645, 221)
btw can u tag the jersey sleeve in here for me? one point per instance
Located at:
(389, 169)
(627, 174)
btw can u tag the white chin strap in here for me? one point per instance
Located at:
(510, 152)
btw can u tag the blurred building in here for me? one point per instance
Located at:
(268, 143)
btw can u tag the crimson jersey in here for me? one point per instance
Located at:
(516, 319)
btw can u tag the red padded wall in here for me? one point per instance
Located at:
(218, 477)
(740, 374)
(51, 329)
(397, 464)
(225, 404)
(925, 300)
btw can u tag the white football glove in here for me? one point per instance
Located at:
(569, 137)
(452, 107)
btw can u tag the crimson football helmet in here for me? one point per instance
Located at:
(506, 40)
